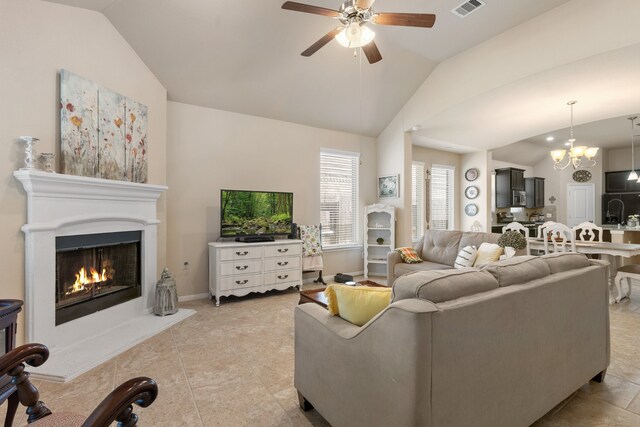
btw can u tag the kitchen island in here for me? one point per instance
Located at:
(623, 234)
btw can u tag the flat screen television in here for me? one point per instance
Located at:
(255, 213)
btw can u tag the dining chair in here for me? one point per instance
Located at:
(561, 237)
(542, 227)
(586, 232)
(516, 226)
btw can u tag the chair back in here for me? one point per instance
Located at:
(516, 226)
(561, 237)
(586, 232)
(476, 227)
(542, 227)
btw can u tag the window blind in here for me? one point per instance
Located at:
(442, 201)
(417, 200)
(339, 198)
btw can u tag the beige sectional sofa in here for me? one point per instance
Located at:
(438, 249)
(499, 346)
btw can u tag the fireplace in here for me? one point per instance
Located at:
(95, 272)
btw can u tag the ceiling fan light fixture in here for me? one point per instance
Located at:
(355, 35)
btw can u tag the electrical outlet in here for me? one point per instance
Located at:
(185, 265)
(548, 215)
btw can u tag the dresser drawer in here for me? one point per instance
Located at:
(242, 267)
(281, 277)
(243, 281)
(233, 254)
(282, 250)
(281, 263)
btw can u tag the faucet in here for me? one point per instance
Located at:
(620, 210)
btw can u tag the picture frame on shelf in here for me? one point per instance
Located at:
(388, 186)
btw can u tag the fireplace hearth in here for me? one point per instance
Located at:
(95, 272)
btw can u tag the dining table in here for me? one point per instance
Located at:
(612, 252)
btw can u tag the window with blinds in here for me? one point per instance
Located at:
(417, 200)
(442, 200)
(339, 198)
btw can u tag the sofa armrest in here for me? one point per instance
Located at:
(393, 258)
(341, 368)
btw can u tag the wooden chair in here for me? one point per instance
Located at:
(117, 406)
(304, 231)
(9, 309)
(626, 273)
(516, 226)
(560, 236)
(586, 232)
(476, 227)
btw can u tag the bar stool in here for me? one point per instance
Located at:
(166, 295)
(628, 273)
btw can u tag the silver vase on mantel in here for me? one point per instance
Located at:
(29, 152)
(166, 295)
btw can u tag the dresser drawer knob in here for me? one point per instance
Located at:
(283, 263)
(282, 251)
(242, 282)
(282, 277)
(242, 253)
(241, 267)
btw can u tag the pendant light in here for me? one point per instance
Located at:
(579, 156)
(632, 175)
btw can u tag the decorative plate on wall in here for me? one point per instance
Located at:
(581, 176)
(471, 192)
(471, 174)
(471, 209)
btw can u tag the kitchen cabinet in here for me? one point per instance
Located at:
(617, 182)
(534, 187)
(508, 182)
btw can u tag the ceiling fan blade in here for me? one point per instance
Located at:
(372, 53)
(307, 8)
(323, 41)
(364, 4)
(425, 20)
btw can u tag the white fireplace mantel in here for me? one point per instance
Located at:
(65, 205)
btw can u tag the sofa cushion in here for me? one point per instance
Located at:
(487, 253)
(563, 261)
(356, 304)
(519, 269)
(470, 238)
(441, 246)
(403, 268)
(409, 255)
(443, 285)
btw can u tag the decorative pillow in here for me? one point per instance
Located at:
(487, 253)
(356, 304)
(466, 257)
(409, 255)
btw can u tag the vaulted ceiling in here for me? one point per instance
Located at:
(244, 56)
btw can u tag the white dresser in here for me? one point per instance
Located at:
(241, 268)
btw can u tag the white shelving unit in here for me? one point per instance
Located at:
(379, 222)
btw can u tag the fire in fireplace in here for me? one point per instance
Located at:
(96, 271)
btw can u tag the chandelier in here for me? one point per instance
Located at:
(579, 156)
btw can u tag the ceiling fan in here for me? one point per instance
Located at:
(354, 33)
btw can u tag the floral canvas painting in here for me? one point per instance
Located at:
(78, 124)
(103, 134)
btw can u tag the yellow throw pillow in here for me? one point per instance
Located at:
(487, 253)
(409, 255)
(356, 304)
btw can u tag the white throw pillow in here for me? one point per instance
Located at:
(487, 253)
(466, 257)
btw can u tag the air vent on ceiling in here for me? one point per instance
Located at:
(467, 7)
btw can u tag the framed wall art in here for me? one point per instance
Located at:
(388, 186)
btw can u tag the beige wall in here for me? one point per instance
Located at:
(429, 157)
(394, 157)
(212, 149)
(38, 39)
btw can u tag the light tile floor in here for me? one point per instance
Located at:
(233, 366)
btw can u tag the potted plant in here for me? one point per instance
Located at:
(512, 241)
(380, 240)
